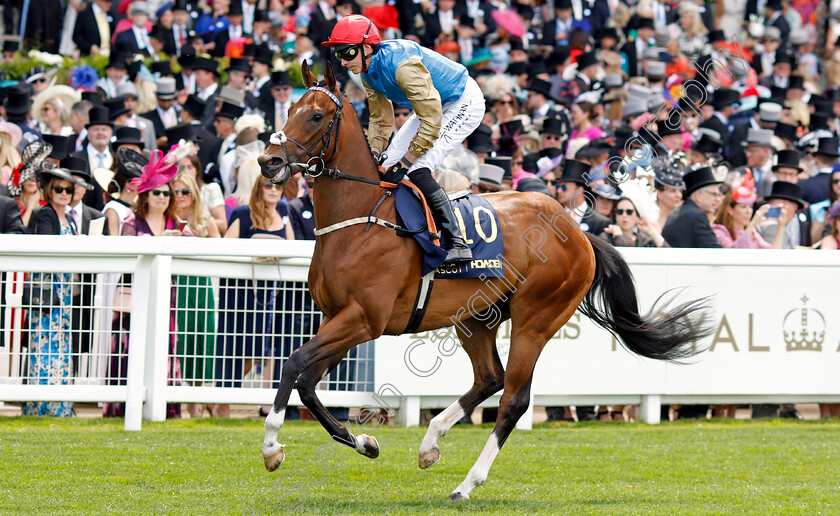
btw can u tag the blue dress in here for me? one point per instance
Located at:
(50, 360)
(246, 312)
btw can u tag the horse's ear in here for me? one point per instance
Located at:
(329, 76)
(309, 78)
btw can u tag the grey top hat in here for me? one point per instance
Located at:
(231, 95)
(762, 137)
(655, 69)
(635, 107)
(773, 33)
(662, 36)
(613, 80)
(651, 53)
(165, 88)
(127, 89)
(490, 176)
(770, 112)
(639, 92)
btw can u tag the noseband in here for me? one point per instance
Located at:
(315, 165)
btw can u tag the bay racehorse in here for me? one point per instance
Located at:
(365, 282)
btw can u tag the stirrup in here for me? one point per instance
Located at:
(459, 253)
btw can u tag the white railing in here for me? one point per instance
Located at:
(764, 301)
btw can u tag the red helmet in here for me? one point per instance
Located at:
(354, 30)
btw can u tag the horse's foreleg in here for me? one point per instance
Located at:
(334, 338)
(364, 444)
(488, 376)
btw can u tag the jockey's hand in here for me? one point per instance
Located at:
(378, 157)
(396, 172)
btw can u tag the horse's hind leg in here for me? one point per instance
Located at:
(364, 444)
(488, 376)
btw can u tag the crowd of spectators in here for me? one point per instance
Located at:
(654, 123)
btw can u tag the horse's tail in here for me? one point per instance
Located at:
(663, 333)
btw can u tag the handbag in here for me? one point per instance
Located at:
(122, 299)
(41, 298)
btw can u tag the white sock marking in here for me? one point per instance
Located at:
(441, 424)
(478, 473)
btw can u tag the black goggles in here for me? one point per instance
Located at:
(346, 52)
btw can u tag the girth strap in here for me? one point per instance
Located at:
(421, 302)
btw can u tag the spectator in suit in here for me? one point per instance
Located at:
(10, 221)
(774, 17)
(795, 219)
(302, 213)
(136, 39)
(100, 129)
(92, 33)
(574, 195)
(783, 63)
(181, 24)
(634, 49)
(234, 30)
(115, 74)
(540, 103)
(759, 150)
(688, 226)
(164, 115)
(261, 75)
(208, 143)
(480, 13)
(206, 71)
(276, 105)
(726, 103)
(815, 189)
(128, 92)
(239, 72)
(321, 21)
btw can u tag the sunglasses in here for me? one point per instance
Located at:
(346, 54)
(183, 191)
(269, 185)
(402, 113)
(835, 181)
(158, 193)
(505, 102)
(63, 189)
(629, 211)
(562, 187)
(551, 137)
(517, 163)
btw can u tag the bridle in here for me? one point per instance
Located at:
(315, 165)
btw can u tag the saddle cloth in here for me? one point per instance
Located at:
(479, 224)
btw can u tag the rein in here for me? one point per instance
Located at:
(316, 165)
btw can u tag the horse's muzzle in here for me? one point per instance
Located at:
(274, 168)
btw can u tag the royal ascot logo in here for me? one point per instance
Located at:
(804, 328)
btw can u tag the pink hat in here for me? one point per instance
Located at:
(13, 130)
(745, 192)
(510, 21)
(159, 171)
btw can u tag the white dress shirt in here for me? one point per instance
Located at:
(207, 92)
(99, 159)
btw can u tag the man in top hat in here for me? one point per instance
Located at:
(276, 104)
(774, 17)
(235, 29)
(707, 146)
(181, 24)
(17, 105)
(480, 142)
(206, 71)
(239, 73)
(587, 72)
(795, 218)
(100, 129)
(688, 225)
(574, 195)
(208, 143)
(261, 75)
(164, 115)
(480, 14)
(726, 103)
(759, 151)
(93, 29)
(787, 167)
(128, 93)
(782, 66)
(224, 121)
(185, 81)
(540, 104)
(80, 213)
(815, 189)
(127, 137)
(489, 179)
(136, 39)
(115, 74)
(670, 132)
(635, 48)
(766, 116)
(60, 147)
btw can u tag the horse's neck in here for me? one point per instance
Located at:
(336, 200)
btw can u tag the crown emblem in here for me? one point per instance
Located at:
(804, 328)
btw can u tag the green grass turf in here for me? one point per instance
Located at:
(91, 466)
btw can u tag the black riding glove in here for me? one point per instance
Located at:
(395, 173)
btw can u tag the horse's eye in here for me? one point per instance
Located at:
(318, 117)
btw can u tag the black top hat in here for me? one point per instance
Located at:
(648, 136)
(586, 59)
(563, 4)
(99, 116)
(78, 166)
(796, 82)
(533, 184)
(644, 23)
(669, 127)
(95, 97)
(503, 162)
(725, 97)
(555, 125)
(540, 86)
(180, 5)
(235, 8)
(116, 107)
(716, 36)
(606, 32)
(574, 171)
(187, 57)
(558, 56)
(228, 110)
(785, 131)
(10, 46)
(479, 140)
(515, 44)
(707, 144)
(59, 145)
(696, 179)
(788, 159)
(248, 50)
(828, 146)
(536, 68)
(261, 15)
(180, 132)
(162, 67)
(517, 68)
(239, 65)
(117, 60)
(206, 63)
(511, 128)
(622, 135)
(126, 136)
(818, 121)
(280, 78)
(195, 106)
(783, 56)
(787, 191)
(17, 100)
(263, 54)
(776, 5)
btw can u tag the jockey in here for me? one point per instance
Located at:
(448, 105)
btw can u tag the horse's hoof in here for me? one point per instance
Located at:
(367, 446)
(429, 458)
(275, 457)
(458, 496)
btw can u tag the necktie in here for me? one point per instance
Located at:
(100, 158)
(104, 30)
(77, 219)
(182, 35)
(279, 117)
